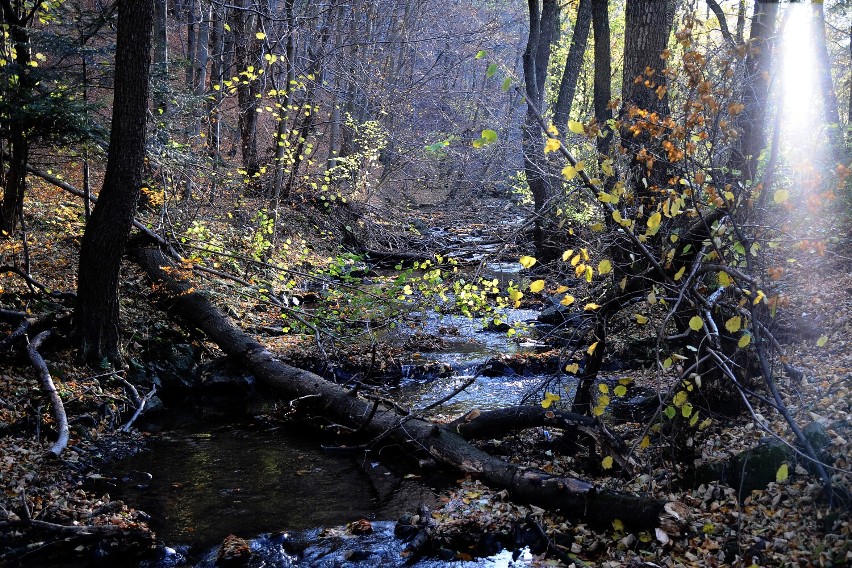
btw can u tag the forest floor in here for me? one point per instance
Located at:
(786, 524)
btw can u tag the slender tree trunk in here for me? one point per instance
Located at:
(217, 78)
(536, 58)
(246, 55)
(191, 17)
(756, 93)
(96, 316)
(160, 71)
(285, 98)
(573, 64)
(603, 73)
(830, 108)
(12, 206)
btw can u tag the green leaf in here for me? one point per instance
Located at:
(489, 135)
(481, 53)
(696, 323)
(822, 341)
(670, 412)
(782, 474)
(507, 84)
(491, 71)
(734, 324)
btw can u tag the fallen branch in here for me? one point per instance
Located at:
(47, 383)
(575, 497)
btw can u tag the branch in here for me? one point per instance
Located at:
(47, 383)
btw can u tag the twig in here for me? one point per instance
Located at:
(47, 383)
(140, 408)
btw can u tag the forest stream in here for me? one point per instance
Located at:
(222, 471)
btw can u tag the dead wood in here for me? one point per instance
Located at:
(572, 496)
(57, 408)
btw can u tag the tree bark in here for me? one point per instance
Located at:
(536, 58)
(96, 315)
(372, 417)
(15, 176)
(830, 107)
(603, 73)
(573, 64)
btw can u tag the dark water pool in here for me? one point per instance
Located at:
(237, 478)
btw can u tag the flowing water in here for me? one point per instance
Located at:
(222, 475)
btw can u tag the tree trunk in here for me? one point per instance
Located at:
(830, 108)
(15, 176)
(603, 73)
(160, 70)
(246, 55)
(96, 314)
(573, 64)
(755, 94)
(543, 22)
(371, 417)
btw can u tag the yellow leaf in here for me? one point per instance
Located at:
(640, 319)
(515, 295)
(654, 221)
(527, 261)
(597, 227)
(567, 300)
(575, 260)
(679, 274)
(592, 348)
(734, 324)
(607, 198)
(781, 196)
(567, 254)
(696, 323)
(552, 145)
(537, 286)
(686, 410)
(549, 398)
(603, 401)
(822, 341)
(569, 172)
(260, 35)
(679, 398)
(575, 127)
(724, 279)
(620, 390)
(591, 306)
(759, 298)
(606, 166)
(585, 253)
(617, 525)
(607, 462)
(604, 267)
(623, 283)
(572, 368)
(616, 215)
(646, 441)
(744, 341)
(598, 410)
(553, 130)
(603, 388)
(782, 474)
(562, 289)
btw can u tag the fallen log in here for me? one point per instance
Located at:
(574, 497)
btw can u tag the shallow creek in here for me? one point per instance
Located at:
(213, 475)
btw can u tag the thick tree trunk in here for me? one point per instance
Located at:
(372, 417)
(830, 107)
(97, 312)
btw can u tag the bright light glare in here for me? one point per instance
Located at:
(799, 80)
